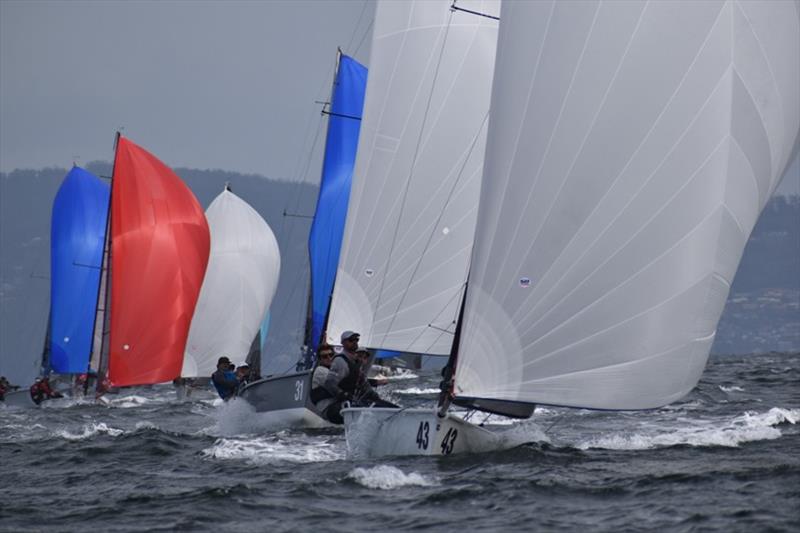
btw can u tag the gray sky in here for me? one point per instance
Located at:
(202, 84)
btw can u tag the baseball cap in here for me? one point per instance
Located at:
(349, 335)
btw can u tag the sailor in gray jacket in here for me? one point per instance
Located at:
(320, 396)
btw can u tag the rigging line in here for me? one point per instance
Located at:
(414, 162)
(358, 23)
(409, 249)
(363, 37)
(331, 113)
(422, 330)
(300, 180)
(303, 308)
(382, 174)
(438, 220)
(454, 7)
(291, 293)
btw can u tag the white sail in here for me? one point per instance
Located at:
(413, 202)
(632, 146)
(238, 287)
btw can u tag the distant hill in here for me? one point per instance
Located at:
(763, 311)
(26, 197)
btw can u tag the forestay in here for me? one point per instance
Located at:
(415, 188)
(632, 147)
(241, 278)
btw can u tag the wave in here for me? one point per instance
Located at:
(748, 427)
(417, 390)
(260, 451)
(387, 477)
(88, 432)
(733, 388)
(402, 373)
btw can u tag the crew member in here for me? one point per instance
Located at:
(224, 379)
(319, 395)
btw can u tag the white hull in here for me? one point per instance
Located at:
(292, 418)
(377, 432)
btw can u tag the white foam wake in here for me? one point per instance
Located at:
(126, 402)
(88, 432)
(387, 477)
(730, 389)
(402, 373)
(260, 451)
(417, 390)
(748, 427)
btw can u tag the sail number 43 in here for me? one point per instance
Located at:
(422, 435)
(448, 442)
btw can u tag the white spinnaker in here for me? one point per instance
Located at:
(631, 149)
(413, 202)
(241, 278)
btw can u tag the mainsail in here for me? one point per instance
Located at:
(325, 238)
(240, 282)
(411, 218)
(78, 227)
(159, 252)
(632, 147)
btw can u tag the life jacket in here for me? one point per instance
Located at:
(225, 392)
(37, 392)
(350, 382)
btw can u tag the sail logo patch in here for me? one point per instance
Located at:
(524, 282)
(369, 272)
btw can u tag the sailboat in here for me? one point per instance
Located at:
(77, 234)
(240, 282)
(284, 400)
(156, 256)
(631, 149)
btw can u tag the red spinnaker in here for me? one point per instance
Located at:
(159, 252)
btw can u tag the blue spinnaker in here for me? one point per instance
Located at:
(325, 238)
(77, 236)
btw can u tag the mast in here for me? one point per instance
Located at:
(103, 289)
(308, 339)
(45, 368)
(448, 371)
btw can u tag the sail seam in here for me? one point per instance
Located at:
(620, 213)
(647, 136)
(567, 92)
(588, 306)
(414, 160)
(772, 75)
(580, 149)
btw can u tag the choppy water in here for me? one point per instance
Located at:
(727, 457)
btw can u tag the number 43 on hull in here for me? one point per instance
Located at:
(385, 431)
